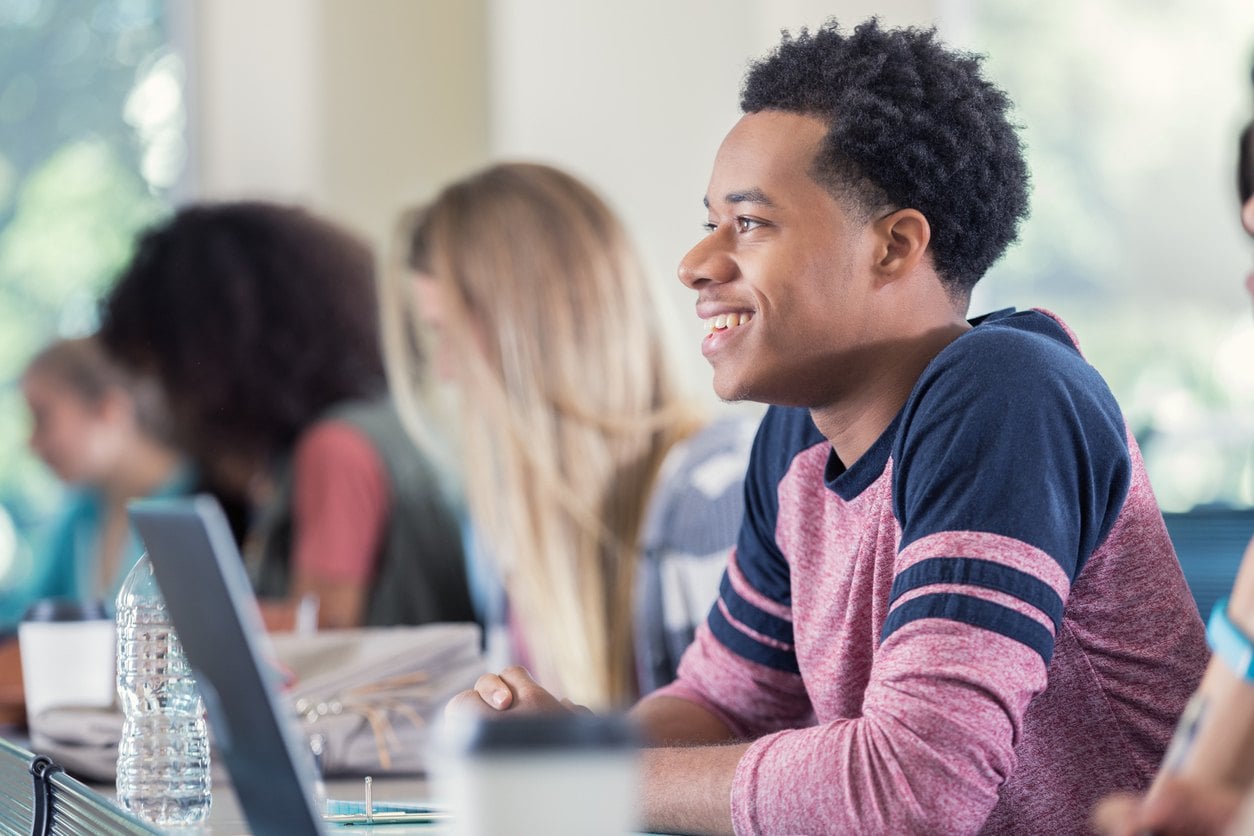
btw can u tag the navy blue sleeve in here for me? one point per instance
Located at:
(783, 433)
(1011, 432)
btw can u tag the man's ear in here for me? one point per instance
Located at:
(903, 237)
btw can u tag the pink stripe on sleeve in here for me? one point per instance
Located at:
(757, 599)
(994, 596)
(994, 548)
(749, 631)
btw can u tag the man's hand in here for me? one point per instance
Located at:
(512, 689)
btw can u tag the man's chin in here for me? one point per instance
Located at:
(732, 391)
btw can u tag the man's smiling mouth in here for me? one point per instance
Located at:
(723, 322)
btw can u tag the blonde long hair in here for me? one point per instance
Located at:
(568, 404)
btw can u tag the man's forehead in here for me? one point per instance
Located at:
(764, 155)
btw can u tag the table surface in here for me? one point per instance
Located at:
(227, 819)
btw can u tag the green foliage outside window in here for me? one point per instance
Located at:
(87, 146)
(1130, 111)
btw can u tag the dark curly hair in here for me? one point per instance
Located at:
(910, 124)
(254, 317)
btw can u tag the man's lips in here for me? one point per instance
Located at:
(721, 328)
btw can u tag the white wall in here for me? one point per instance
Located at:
(355, 109)
(636, 97)
(358, 108)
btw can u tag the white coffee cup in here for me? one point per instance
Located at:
(552, 774)
(68, 650)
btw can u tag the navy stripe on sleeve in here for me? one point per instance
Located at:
(747, 614)
(977, 613)
(984, 573)
(742, 645)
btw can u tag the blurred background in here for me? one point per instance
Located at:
(112, 112)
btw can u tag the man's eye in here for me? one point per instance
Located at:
(744, 224)
(709, 226)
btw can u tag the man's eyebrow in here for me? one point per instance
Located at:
(747, 196)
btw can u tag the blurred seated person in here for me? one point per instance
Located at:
(1205, 800)
(260, 321)
(603, 496)
(105, 434)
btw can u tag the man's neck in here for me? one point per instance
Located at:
(854, 423)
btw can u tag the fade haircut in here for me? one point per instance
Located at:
(910, 124)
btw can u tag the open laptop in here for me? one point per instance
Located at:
(210, 599)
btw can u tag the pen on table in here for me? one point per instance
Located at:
(306, 620)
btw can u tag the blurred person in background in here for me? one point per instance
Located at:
(260, 321)
(603, 497)
(1179, 805)
(106, 435)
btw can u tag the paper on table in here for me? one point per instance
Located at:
(369, 694)
(383, 812)
(328, 665)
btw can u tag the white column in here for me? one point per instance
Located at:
(352, 108)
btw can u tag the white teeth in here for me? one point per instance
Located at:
(724, 321)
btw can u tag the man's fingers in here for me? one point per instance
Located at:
(514, 689)
(467, 702)
(494, 691)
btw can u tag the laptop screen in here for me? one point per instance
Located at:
(207, 591)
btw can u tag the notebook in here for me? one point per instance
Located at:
(210, 599)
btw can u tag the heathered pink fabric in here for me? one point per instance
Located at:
(949, 728)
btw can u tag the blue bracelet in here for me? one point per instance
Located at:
(1229, 642)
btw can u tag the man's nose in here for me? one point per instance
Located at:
(707, 261)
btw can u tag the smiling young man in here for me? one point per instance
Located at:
(953, 606)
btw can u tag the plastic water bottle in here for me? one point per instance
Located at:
(163, 757)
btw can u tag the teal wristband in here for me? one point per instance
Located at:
(1229, 642)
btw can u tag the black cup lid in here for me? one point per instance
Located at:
(65, 609)
(516, 733)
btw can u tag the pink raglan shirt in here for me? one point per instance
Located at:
(981, 626)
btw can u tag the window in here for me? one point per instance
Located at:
(1130, 112)
(92, 140)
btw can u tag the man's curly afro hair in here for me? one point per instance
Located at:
(911, 124)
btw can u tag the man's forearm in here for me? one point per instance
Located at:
(673, 721)
(688, 790)
(687, 780)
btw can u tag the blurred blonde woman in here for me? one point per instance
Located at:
(597, 489)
